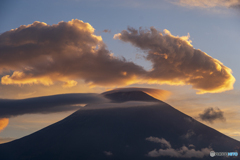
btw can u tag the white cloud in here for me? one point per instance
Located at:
(183, 152)
(158, 140)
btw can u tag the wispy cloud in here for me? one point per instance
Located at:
(159, 140)
(47, 104)
(189, 134)
(208, 3)
(108, 153)
(107, 31)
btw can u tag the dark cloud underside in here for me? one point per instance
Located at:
(46, 104)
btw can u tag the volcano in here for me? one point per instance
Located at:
(133, 125)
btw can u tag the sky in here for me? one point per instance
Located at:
(188, 48)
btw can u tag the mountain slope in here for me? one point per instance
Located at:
(118, 133)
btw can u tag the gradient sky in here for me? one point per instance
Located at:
(213, 28)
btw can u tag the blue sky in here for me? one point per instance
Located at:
(214, 30)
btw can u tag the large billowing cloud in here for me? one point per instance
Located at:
(47, 104)
(68, 51)
(175, 61)
(208, 3)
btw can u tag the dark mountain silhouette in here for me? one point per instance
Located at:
(120, 134)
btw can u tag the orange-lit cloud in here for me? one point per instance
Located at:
(70, 83)
(3, 123)
(208, 3)
(66, 52)
(21, 78)
(70, 52)
(176, 62)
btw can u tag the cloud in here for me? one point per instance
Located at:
(211, 114)
(156, 93)
(108, 153)
(127, 104)
(158, 140)
(191, 145)
(176, 62)
(3, 123)
(208, 3)
(47, 104)
(69, 52)
(189, 134)
(183, 152)
(107, 31)
(65, 52)
(5, 140)
(69, 84)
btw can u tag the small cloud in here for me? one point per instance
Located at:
(183, 152)
(108, 153)
(191, 145)
(158, 140)
(69, 84)
(106, 31)
(189, 119)
(210, 115)
(189, 133)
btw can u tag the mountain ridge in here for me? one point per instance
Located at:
(118, 133)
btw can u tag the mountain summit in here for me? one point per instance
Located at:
(144, 132)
